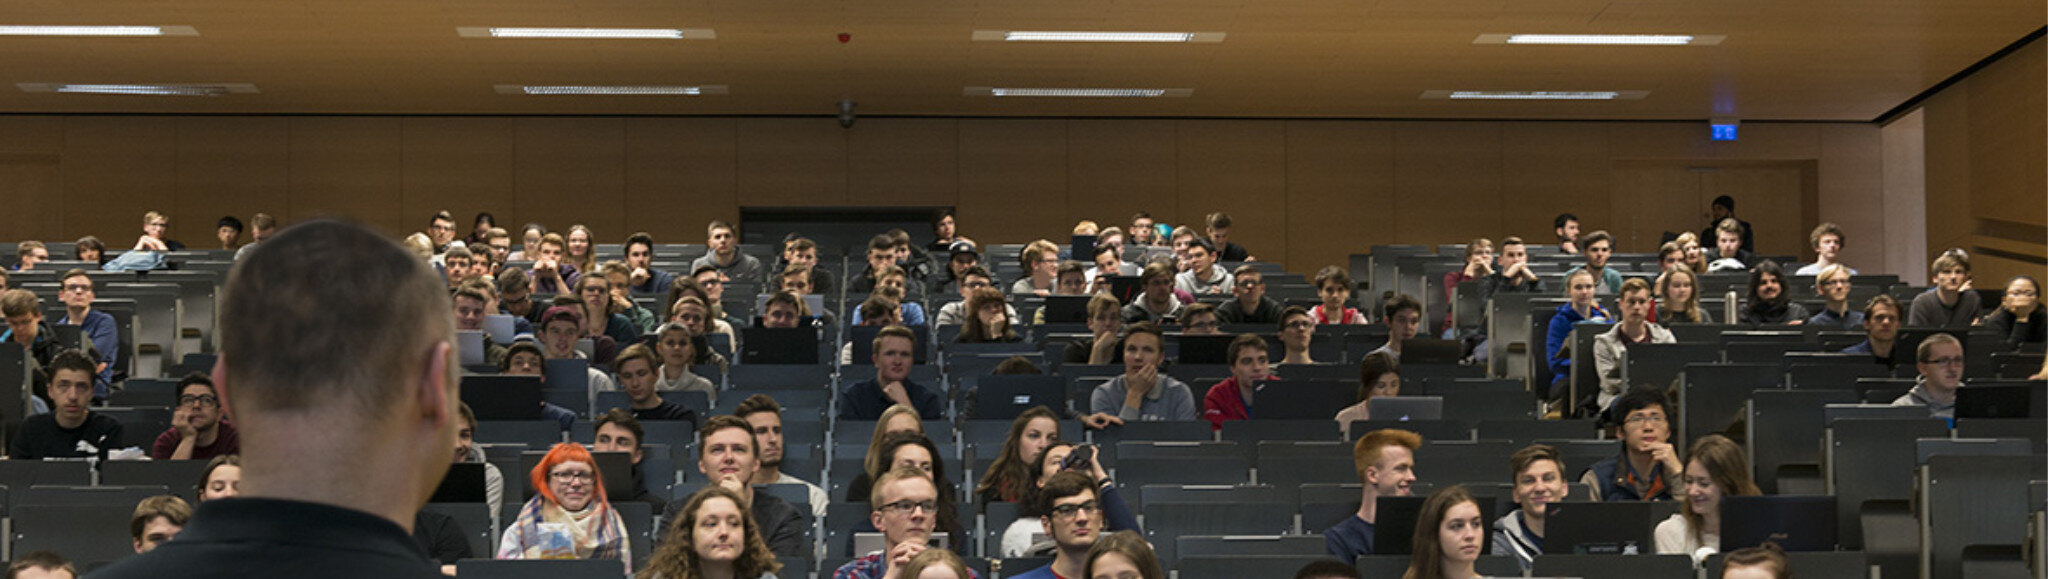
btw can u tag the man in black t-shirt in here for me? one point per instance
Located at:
(71, 429)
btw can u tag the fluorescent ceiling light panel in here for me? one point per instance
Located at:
(1603, 39)
(8, 30)
(1086, 36)
(587, 33)
(1593, 95)
(562, 90)
(1079, 92)
(195, 89)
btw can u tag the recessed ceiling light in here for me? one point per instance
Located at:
(556, 90)
(1083, 36)
(98, 31)
(1594, 95)
(1604, 39)
(587, 33)
(194, 89)
(1079, 92)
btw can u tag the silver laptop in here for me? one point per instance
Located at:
(500, 328)
(864, 543)
(472, 345)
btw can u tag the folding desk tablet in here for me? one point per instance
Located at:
(1295, 399)
(1794, 522)
(1430, 351)
(1600, 528)
(499, 398)
(500, 327)
(1003, 397)
(2002, 400)
(1204, 349)
(778, 346)
(471, 344)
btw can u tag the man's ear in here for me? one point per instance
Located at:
(1045, 522)
(438, 385)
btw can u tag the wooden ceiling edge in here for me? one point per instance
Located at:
(1913, 103)
(919, 117)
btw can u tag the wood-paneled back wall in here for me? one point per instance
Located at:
(1986, 150)
(1304, 192)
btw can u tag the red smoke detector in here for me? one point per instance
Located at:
(845, 37)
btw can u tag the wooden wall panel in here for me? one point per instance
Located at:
(463, 165)
(1117, 168)
(679, 176)
(791, 162)
(1240, 168)
(1013, 180)
(1447, 178)
(348, 167)
(1904, 231)
(236, 166)
(2009, 138)
(1340, 187)
(913, 162)
(116, 168)
(1648, 198)
(38, 135)
(1552, 168)
(1852, 167)
(572, 171)
(1948, 171)
(32, 186)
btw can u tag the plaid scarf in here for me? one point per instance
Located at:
(599, 534)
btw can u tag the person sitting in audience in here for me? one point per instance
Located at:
(1157, 303)
(881, 254)
(2019, 318)
(41, 565)
(1716, 468)
(1610, 348)
(1143, 392)
(644, 278)
(1579, 287)
(802, 251)
(1478, 266)
(936, 564)
(1511, 272)
(1695, 255)
(963, 255)
(1670, 256)
(1385, 462)
(716, 536)
(154, 226)
(1448, 534)
(1598, 247)
(1648, 461)
(569, 516)
(893, 283)
(1327, 569)
(599, 316)
(560, 329)
(456, 265)
(1335, 288)
(1203, 276)
(1730, 253)
(1122, 555)
(1071, 280)
(524, 358)
(1832, 283)
(1769, 302)
(552, 275)
(441, 230)
(906, 508)
(1722, 210)
(903, 449)
(1181, 238)
(515, 297)
(896, 419)
(1232, 398)
(1880, 328)
(1379, 374)
(1827, 240)
(466, 450)
(679, 349)
(1251, 306)
(221, 479)
(1297, 327)
(1144, 231)
(784, 310)
(1010, 476)
(1041, 261)
(261, 227)
(1200, 319)
(617, 277)
(893, 354)
(91, 250)
(1567, 233)
(156, 520)
(1110, 237)
(1017, 540)
(28, 253)
(638, 378)
(1538, 472)
(479, 230)
(693, 312)
(764, 415)
(972, 280)
(878, 311)
(1940, 361)
(97, 326)
(197, 430)
(472, 300)
(1404, 319)
(728, 459)
(1678, 299)
(71, 429)
(1105, 323)
(25, 327)
(1765, 561)
(1071, 515)
(1108, 262)
(529, 242)
(990, 322)
(1219, 237)
(725, 255)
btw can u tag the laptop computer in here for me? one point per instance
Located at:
(616, 468)
(1125, 287)
(1431, 351)
(2004, 400)
(864, 543)
(1205, 349)
(863, 340)
(1795, 523)
(778, 346)
(1393, 531)
(1082, 248)
(471, 344)
(568, 374)
(1301, 399)
(1003, 397)
(463, 484)
(494, 397)
(1405, 408)
(1066, 309)
(501, 328)
(1600, 528)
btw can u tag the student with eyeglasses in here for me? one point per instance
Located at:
(1072, 519)
(569, 516)
(97, 326)
(1940, 359)
(198, 431)
(1648, 462)
(906, 510)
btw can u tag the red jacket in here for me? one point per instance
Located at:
(1224, 403)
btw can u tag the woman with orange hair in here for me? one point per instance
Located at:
(568, 517)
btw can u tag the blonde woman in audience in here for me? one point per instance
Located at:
(1695, 255)
(1379, 374)
(1122, 555)
(1335, 288)
(715, 538)
(1448, 534)
(1715, 468)
(679, 350)
(529, 242)
(896, 418)
(1678, 299)
(935, 564)
(222, 478)
(568, 517)
(600, 311)
(580, 252)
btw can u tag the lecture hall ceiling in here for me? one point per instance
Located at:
(1846, 60)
